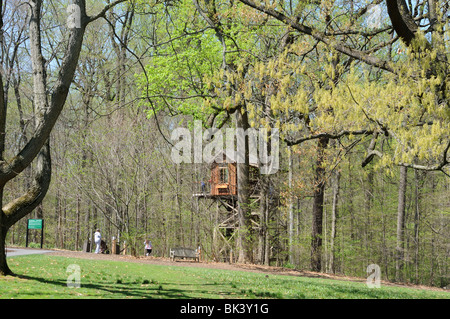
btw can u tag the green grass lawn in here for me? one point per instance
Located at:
(45, 276)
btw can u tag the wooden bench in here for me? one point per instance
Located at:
(181, 252)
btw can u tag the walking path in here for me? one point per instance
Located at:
(11, 252)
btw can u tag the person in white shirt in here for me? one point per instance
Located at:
(97, 240)
(148, 247)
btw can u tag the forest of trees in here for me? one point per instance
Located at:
(359, 91)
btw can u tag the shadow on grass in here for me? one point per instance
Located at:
(129, 290)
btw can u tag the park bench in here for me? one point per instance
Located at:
(181, 252)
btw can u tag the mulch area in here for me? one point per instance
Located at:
(268, 270)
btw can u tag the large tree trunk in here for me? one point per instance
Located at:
(22, 206)
(400, 253)
(262, 219)
(319, 188)
(291, 209)
(245, 254)
(4, 269)
(48, 107)
(334, 218)
(416, 224)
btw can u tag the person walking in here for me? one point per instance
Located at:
(97, 240)
(148, 247)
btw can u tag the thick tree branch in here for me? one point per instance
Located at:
(23, 205)
(371, 152)
(48, 111)
(337, 45)
(291, 142)
(402, 21)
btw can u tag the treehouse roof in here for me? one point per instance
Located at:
(230, 157)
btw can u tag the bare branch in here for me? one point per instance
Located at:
(102, 13)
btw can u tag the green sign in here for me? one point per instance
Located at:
(35, 224)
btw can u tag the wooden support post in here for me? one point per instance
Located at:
(114, 246)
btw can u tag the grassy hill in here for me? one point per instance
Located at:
(45, 276)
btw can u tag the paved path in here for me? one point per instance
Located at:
(11, 252)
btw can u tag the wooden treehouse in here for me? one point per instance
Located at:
(223, 180)
(222, 188)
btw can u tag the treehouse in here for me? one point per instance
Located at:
(222, 188)
(223, 180)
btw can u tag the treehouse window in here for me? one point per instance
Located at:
(223, 175)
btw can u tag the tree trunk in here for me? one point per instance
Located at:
(416, 226)
(334, 217)
(368, 199)
(48, 106)
(319, 188)
(401, 224)
(77, 224)
(4, 269)
(263, 211)
(23, 205)
(244, 213)
(291, 210)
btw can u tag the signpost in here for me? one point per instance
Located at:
(35, 224)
